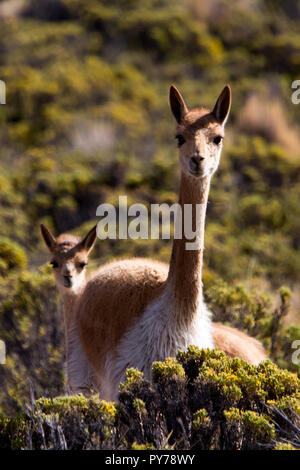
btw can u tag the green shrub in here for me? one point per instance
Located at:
(191, 404)
(12, 256)
(31, 325)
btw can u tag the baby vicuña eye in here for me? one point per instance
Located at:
(54, 264)
(180, 139)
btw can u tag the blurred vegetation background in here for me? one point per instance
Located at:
(87, 119)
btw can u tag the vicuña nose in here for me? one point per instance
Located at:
(195, 160)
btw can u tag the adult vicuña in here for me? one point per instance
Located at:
(134, 312)
(69, 258)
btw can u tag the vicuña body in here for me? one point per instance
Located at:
(69, 258)
(134, 312)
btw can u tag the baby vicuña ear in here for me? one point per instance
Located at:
(177, 104)
(88, 242)
(49, 239)
(222, 106)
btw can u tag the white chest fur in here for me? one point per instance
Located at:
(158, 334)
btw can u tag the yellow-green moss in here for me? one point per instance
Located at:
(255, 425)
(139, 405)
(284, 446)
(147, 446)
(200, 418)
(90, 407)
(170, 368)
(133, 377)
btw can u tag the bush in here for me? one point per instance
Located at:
(12, 256)
(201, 400)
(31, 325)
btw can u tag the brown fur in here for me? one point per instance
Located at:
(235, 343)
(115, 296)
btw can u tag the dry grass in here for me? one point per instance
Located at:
(264, 115)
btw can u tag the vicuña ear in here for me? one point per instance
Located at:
(50, 240)
(88, 241)
(222, 106)
(177, 104)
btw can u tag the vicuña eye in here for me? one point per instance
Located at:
(180, 140)
(217, 139)
(54, 264)
(82, 265)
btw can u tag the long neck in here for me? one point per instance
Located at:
(69, 300)
(184, 281)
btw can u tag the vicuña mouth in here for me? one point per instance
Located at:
(198, 172)
(67, 281)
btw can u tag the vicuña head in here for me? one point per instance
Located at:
(200, 133)
(69, 258)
